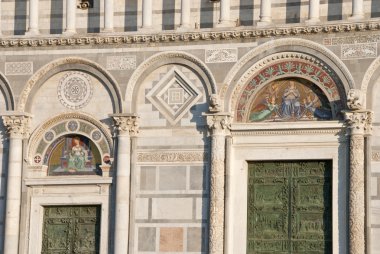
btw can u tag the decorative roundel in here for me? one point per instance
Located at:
(96, 135)
(75, 90)
(49, 136)
(37, 159)
(72, 125)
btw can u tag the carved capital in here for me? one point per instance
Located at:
(359, 122)
(126, 124)
(355, 99)
(219, 124)
(17, 124)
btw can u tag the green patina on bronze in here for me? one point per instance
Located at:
(289, 207)
(71, 229)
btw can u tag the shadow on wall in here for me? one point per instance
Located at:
(335, 9)
(293, 11)
(207, 14)
(375, 9)
(168, 14)
(94, 18)
(246, 13)
(130, 16)
(56, 17)
(20, 17)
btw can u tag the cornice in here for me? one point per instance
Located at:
(170, 37)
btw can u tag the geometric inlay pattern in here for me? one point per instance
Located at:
(174, 95)
(75, 90)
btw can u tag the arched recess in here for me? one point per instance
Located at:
(65, 64)
(264, 61)
(165, 58)
(64, 125)
(7, 93)
(370, 82)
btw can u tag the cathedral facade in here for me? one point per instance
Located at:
(190, 126)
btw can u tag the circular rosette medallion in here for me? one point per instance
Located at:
(75, 90)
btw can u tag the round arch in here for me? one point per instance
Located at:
(7, 92)
(282, 50)
(69, 63)
(370, 78)
(164, 58)
(68, 124)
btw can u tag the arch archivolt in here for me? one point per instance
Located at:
(164, 58)
(69, 63)
(68, 124)
(280, 66)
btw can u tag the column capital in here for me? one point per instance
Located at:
(17, 124)
(359, 122)
(126, 124)
(219, 123)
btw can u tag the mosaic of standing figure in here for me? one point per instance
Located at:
(290, 100)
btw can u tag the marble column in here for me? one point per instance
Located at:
(126, 126)
(71, 9)
(359, 124)
(357, 9)
(219, 125)
(314, 6)
(265, 13)
(225, 10)
(33, 18)
(147, 14)
(108, 16)
(185, 15)
(17, 125)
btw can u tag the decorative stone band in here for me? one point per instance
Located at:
(219, 125)
(17, 124)
(359, 122)
(190, 36)
(126, 124)
(179, 156)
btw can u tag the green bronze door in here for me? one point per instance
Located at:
(289, 207)
(71, 229)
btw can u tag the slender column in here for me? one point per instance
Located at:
(357, 9)
(126, 126)
(219, 125)
(17, 126)
(265, 13)
(108, 15)
(313, 11)
(71, 8)
(359, 122)
(185, 14)
(147, 14)
(33, 18)
(225, 10)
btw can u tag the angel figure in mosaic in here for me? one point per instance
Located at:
(311, 106)
(77, 156)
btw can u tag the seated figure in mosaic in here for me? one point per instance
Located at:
(77, 157)
(291, 107)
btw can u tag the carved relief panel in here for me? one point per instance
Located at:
(289, 207)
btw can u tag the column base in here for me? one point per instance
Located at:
(356, 17)
(32, 32)
(264, 23)
(226, 23)
(313, 21)
(69, 32)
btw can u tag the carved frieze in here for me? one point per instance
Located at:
(186, 156)
(356, 51)
(221, 55)
(18, 68)
(121, 63)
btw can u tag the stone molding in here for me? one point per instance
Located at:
(126, 124)
(359, 122)
(369, 74)
(180, 156)
(162, 37)
(17, 124)
(24, 95)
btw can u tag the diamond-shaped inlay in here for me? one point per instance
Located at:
(174, 95)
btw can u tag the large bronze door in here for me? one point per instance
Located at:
(71, 229)
(289, 207)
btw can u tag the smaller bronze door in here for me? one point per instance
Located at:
(71, 229)
(289, 207)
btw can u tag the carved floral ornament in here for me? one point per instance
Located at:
(281, 66)
(126, 124)
(359, 122)
(71, 124)
(17, 125)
